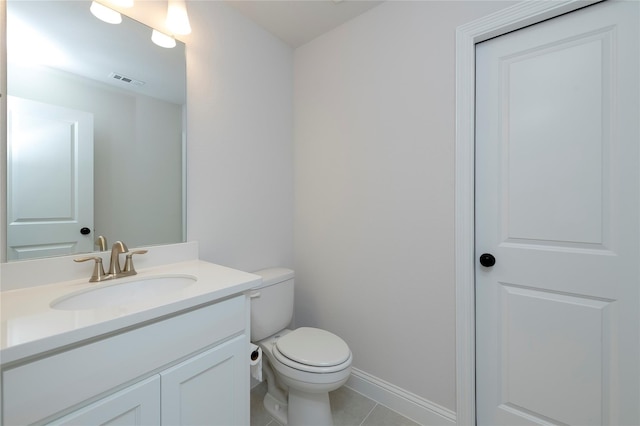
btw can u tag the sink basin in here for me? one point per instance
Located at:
(115, 293)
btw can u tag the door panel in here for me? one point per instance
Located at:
(557, 188)
(550, 350)
(205, 390)
(531, 98)
(50, 180)
(137, 405)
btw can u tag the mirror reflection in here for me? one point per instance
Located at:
(95, 132)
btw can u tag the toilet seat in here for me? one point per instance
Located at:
(312, 350)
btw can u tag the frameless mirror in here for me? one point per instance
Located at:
(95, 132)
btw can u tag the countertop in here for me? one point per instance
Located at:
(30, 326)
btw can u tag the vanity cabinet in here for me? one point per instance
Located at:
(200, 391)
(187, 368)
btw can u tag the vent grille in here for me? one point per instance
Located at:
(125, 79)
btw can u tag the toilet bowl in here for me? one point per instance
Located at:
(301, 366)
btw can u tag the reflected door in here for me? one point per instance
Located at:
(49, 180)
(557, 189)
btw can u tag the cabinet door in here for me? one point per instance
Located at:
(136, 405)
(209, 389)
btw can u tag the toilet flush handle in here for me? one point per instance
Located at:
(254, 294)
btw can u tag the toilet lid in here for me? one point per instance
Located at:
(314, 347)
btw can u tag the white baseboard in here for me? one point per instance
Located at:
(399, 400)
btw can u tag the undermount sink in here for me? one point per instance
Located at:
(113, 294)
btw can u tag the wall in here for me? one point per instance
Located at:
(239, 149)
(374, 190)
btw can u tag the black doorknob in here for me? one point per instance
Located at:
(85, 231)
(487, 259)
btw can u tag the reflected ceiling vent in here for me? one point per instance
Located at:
(125, 79)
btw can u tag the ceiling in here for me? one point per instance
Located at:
(297, 22)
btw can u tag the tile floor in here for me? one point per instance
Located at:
(349, 409)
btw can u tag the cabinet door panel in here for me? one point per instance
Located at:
(136, 405)
(208, 389)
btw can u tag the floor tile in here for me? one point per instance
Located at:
(348, 407)
(259, 416)
(382, 416)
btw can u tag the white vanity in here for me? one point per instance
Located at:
(179, 356)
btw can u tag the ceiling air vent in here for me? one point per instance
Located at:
(125, 79)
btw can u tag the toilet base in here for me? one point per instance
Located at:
(309, 409)
(276, 408)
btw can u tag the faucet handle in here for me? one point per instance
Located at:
(128, 264)
(98, 270)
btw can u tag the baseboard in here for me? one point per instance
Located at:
(399, 400)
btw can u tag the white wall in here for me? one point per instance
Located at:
(239, 135)
(240, 176)
(374, 189)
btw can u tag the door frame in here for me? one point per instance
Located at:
(520, 15)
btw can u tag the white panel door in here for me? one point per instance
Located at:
(49, 180)
(557, 205)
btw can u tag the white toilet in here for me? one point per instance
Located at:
(301, 366)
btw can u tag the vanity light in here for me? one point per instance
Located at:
(105, 14)
(163, 40)
(122, 3)
(177, 18)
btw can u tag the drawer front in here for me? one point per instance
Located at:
(39, 389)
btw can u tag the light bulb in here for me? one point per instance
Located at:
(105, 14)
(163, 40)
(177, 17)
(122, 3)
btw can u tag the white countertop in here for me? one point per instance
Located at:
(29, 326)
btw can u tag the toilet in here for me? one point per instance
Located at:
(301, 366)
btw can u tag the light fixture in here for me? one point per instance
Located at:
(105, 14)
(122, 3)
(163, 40)
(177, 18)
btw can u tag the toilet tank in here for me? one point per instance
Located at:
(271, 303)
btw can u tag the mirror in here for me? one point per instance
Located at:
(95, 123)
